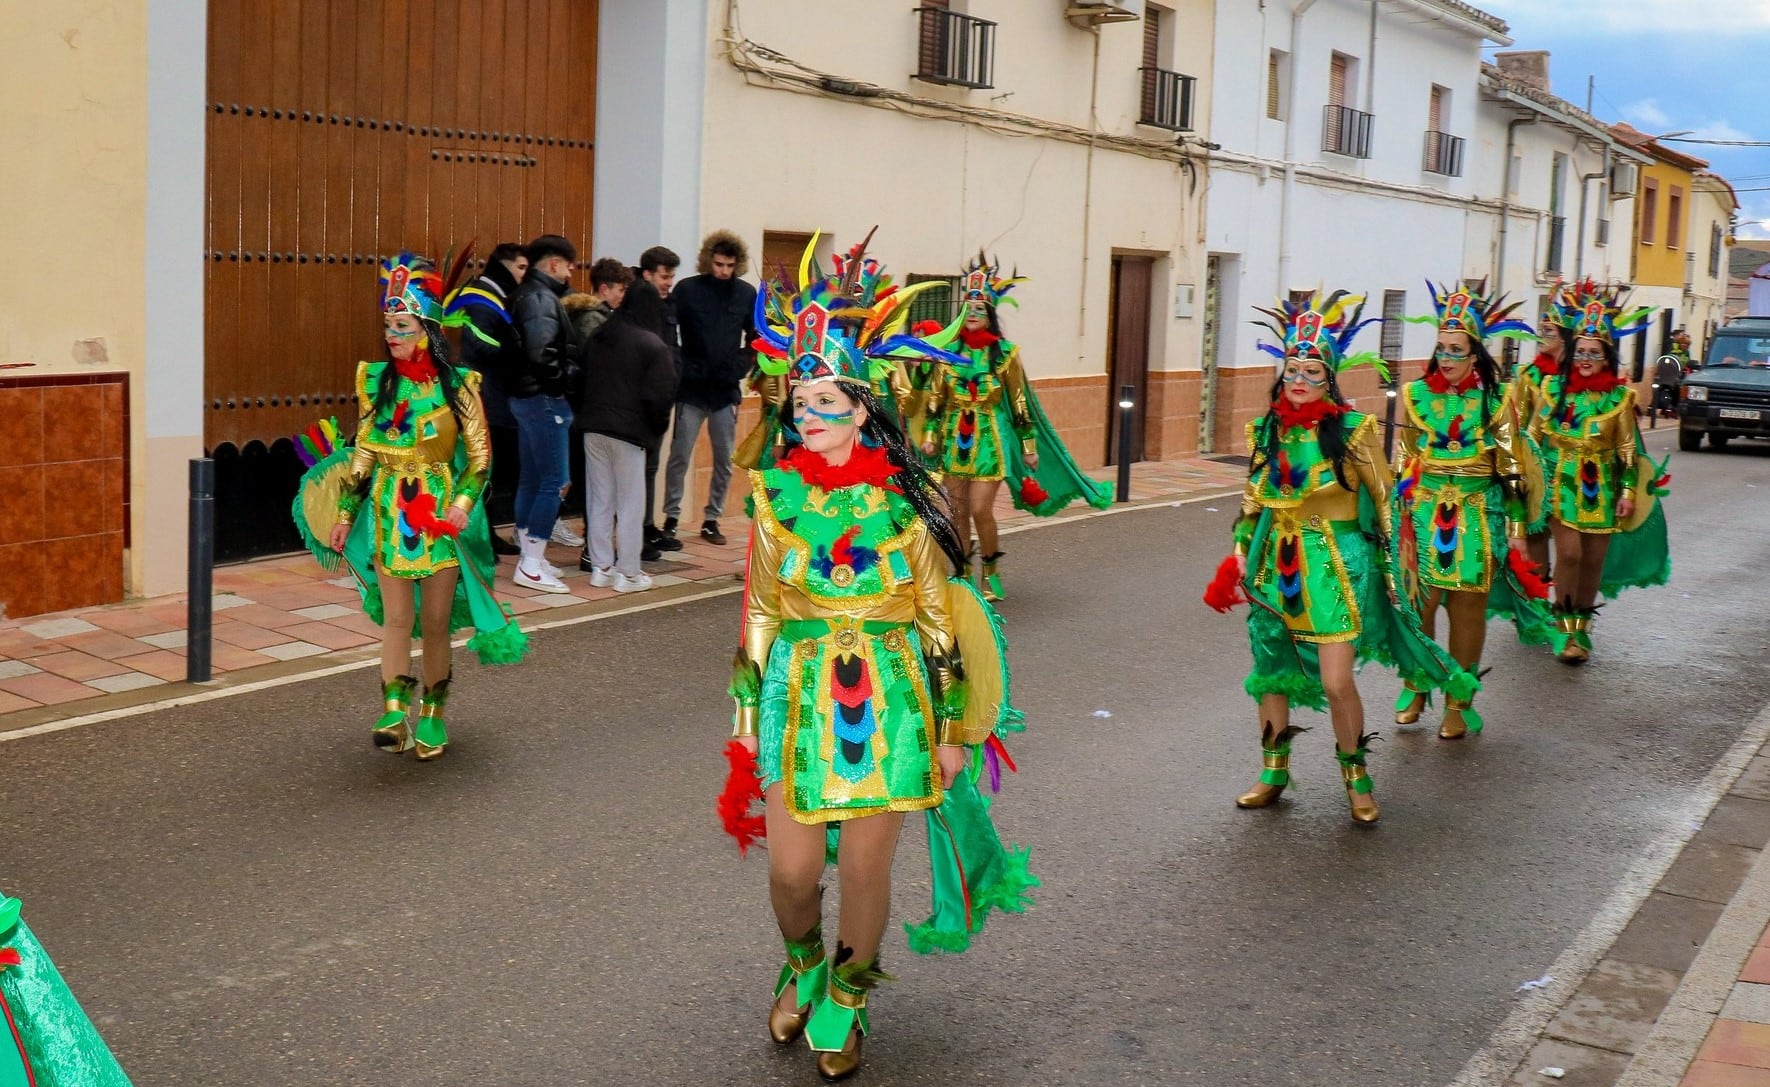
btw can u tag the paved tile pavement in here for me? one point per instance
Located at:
(288, 609)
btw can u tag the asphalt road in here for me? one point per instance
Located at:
(245, 892)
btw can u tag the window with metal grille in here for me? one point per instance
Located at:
(1346, 131)
(1394, 309)
(954, 49)
(937, 303)
(1444, 152)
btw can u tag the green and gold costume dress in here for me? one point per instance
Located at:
(1317, 567)
(974, 410)
(46, 1040)
(1460, 500)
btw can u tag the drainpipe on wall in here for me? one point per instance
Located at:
(1290, 154)
(1088, 194)
(1499, 275)
(1585, 182)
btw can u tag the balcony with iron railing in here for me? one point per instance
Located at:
(1167, 99)
(1552, 261)
(1444, 154)
(954, 49)
(1346, 131)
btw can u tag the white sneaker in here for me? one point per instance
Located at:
(625, 584)
(537, 578)
(565, 537)
(602, 577)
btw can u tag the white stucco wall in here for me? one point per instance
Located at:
(939, 188)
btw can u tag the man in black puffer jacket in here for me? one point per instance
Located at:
(715, 312)
(537, 394)
(494, 349)
(631, 383)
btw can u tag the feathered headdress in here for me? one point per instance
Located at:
(1473, 311)
(984, 283)
(843, 327)
(1589, 309)
(410, 284)
(1322, 328)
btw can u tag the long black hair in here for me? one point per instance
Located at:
(447, 373)
(1487, 373)
(1330, 432)
(912, 477)
(1611, 360)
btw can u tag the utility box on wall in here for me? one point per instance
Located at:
(1185, 295)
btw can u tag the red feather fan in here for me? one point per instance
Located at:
(1528, 579)
(420, 514)
(742, 788)
(1031, 494)
(1224, 592)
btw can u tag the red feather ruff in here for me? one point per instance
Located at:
(1528, 579)
(1031, 494)
(1224, 591)
(420, 369)
(978, 338)
(1308, 415)
(1545, 365)
(866, 464)
(1600, 382)
(742, 788)
(420, 513)
(1438, 383)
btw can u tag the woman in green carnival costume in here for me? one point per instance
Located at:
(855, 703)
(1601, 489)
(984, 424)
(422, 555)
(1552, 351)
(1460, 503)
(1311, 555)
(45, 1039)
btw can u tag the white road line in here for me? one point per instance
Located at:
(1495, 1062)
(338, 669)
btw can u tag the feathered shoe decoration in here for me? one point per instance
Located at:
(742, 789)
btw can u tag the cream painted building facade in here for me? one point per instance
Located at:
(832, 122)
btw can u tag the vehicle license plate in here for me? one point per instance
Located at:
(1741, 413)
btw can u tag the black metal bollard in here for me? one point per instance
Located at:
(1127, 405)
(200, 585)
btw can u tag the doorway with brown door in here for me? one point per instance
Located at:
(1127, 349)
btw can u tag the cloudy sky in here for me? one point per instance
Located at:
(1666, 66)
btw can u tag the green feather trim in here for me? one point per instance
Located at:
(746, 680)
(953, 698)
(860, 976)
(505, 645)
(1300, 690)
(1011, 893)
(1461, 686)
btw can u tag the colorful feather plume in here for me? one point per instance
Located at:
(1322, 328)
(317, 442)
(1471, 310)
(1595, 310)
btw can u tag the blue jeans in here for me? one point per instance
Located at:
(543, 431)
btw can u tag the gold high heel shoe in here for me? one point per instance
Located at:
(393, 732)
(807, 970)
(840, 1020)
(1575, 629)
(1275, 772)
(1410, 705)
(1358, 783)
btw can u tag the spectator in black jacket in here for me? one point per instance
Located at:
(657, 266)
(536, 391)
(715, 315)
(631, 383)
(487, 300)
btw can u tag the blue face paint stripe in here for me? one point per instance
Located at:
(844, 419)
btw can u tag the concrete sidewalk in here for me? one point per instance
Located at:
(284, 616)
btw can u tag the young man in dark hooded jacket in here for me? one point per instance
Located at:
(631, 380)
(487, 300)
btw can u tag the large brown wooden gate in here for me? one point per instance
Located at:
(341, 131)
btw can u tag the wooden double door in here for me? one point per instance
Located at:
(341, 132)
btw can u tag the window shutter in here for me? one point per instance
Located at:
(1337, 81)
(1272, 85)
(1152, 36)
(931, 58)
(1437, 111)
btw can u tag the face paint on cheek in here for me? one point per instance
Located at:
(844, 419)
